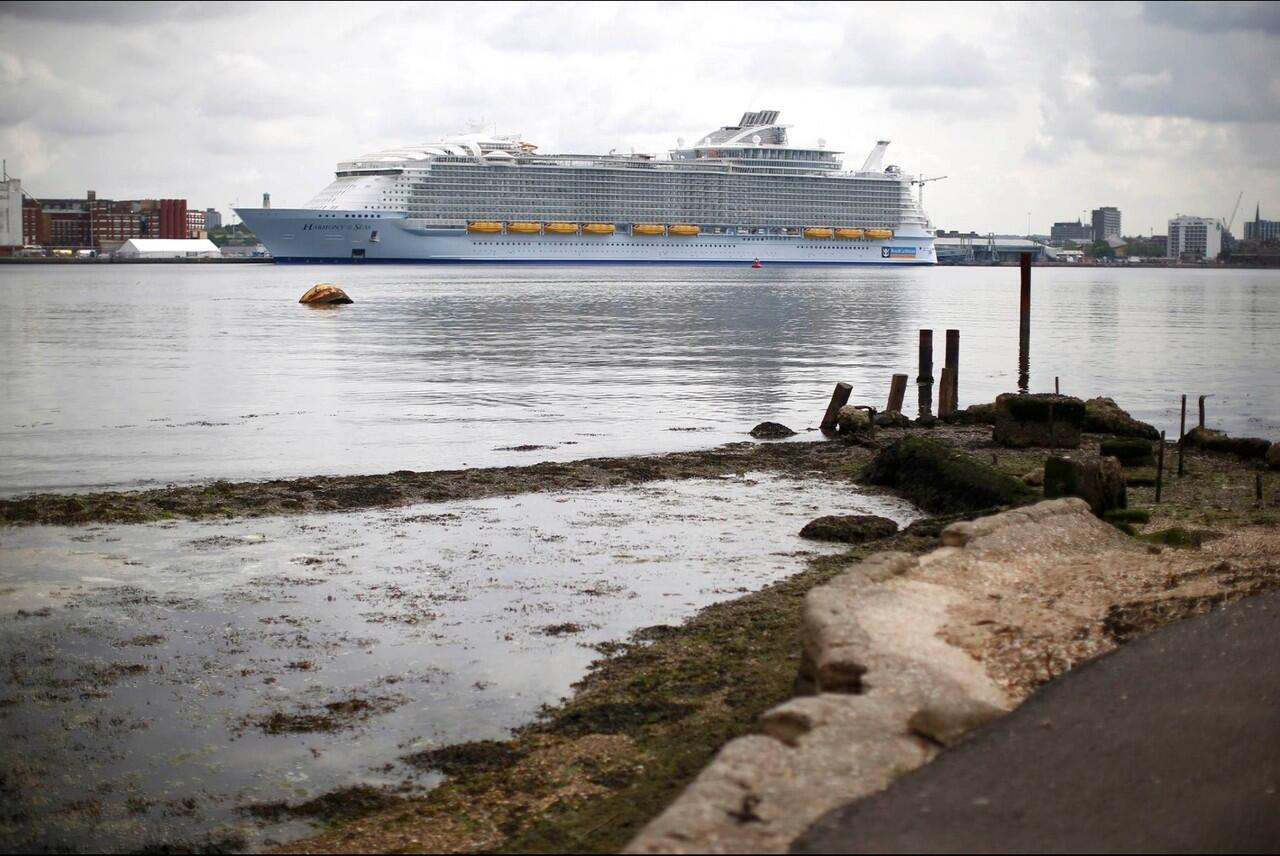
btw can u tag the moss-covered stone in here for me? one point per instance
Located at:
(849, 528)
(1246, 448)
(1098, 482)
(1044, 420)
(1104, 416)
(941, 479)
(1131, 451)
(1128, 515)
(1177, 536)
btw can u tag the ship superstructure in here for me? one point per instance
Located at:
(740, 193)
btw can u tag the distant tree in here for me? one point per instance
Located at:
(1069, 244)
(1100, 249)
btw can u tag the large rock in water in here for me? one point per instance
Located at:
(325, 294)
(771, 431)
(853, 422)
(1098, 482)
(942, 479)
(1040, 419)
(1104, 416)
(849, 528)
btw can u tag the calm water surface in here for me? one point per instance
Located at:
(133, 375)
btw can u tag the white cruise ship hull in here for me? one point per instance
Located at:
(305, 235)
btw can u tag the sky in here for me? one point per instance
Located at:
(1034, 112)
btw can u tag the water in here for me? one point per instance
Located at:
(121, 376)
(140, 663)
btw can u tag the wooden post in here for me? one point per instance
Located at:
(946, 392)
(924, 380)
(1056, 390)
(1160, 468)
(1024, 327)
(1182, 433)
(1202, 398)
(839, 398)
(953, 363)
(897, 391)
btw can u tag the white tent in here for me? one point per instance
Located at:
(168, 248)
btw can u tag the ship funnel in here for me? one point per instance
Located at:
(876, 158)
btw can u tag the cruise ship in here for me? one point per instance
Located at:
(741, 194)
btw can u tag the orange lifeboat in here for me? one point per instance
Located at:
(817, 232)
(562, 228)
(854, 234)
(484, 227)
(880, 234)
(598, 229)
(648, 229)
(524, 228)
(683, 229)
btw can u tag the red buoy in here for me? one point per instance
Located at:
(756, 264)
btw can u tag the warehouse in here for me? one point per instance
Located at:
(167, 248)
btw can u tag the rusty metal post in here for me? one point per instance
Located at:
(839, 398)
(924, 380)
(897, 391)
(1024, 326)
(1202, 398)
(1160, 468)
(1182, 434)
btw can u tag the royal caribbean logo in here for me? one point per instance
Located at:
(897, 252)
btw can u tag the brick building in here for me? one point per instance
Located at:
(93, 223)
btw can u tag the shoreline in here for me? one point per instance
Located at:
(654, 710)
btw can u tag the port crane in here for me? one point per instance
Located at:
(922, 181)
(1226, 225)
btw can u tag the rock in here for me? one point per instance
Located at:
(942, 479)
(976, 414)
(849, 528)
(771, 431)
(325, 294)
(1131, 451)
(853, 422)
(1099, 482)
(1104, 416)
(891, 419)
(1035, 478)
(1273, 456)
(947, 720)
(926, 421)
(1026, 420)
(1248, 448)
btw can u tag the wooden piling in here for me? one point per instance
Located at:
(1024, 326)
(1202, 398)
(924, 380)
(1182, 434)
(897, 391)
(953, 363)
(839, 398)
(1056, 390)
(1160, 468)
(947, 392)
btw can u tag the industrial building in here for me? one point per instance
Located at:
(1106, 223)
(986, 249)
(1194, 237)
(1071, 231)
(10, 215)
(161, 248)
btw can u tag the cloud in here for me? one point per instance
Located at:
(871, 57)
(115, 14)
(1201, 17)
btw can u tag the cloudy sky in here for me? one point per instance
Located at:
(1043, 109)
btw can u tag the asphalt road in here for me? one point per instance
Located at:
(1171, 743)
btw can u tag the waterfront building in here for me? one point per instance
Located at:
(212, 218)
(1261, 230)
(1106, 223)
(92, 223)
(195, 224)
(1071, 231)
(1194, 237)
(11, 232)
